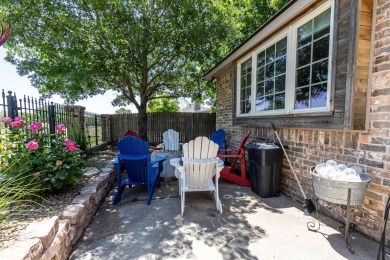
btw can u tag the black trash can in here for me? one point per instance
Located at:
(265, 164)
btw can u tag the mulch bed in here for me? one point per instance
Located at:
(52, 204)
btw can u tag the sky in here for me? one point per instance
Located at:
(11, 81)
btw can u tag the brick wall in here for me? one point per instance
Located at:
(369, 151)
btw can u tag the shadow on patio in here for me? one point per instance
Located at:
(249, 228)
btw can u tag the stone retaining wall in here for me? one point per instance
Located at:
(53, 238)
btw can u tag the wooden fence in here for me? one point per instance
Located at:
(189, 125)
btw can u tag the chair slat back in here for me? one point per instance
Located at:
(136, 169)
(200, 172)
(219, 137)
(240, 149)
(171, 140)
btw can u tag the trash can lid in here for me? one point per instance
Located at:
(259, 145)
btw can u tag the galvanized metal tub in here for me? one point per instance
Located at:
(337, 191)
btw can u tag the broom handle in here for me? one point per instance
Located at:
(296, 177)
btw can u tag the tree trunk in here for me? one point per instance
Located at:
(143, 122)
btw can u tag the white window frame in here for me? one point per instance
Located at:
(291, 33)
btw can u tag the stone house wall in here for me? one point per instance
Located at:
(368, 150)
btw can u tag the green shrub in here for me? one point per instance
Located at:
(54, 165)
(78, 135)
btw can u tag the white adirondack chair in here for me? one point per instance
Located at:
(200, 165)
(171, 140)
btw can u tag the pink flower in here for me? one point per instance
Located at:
(6, 120)
(35, 126)
(32, 145)
(72, 148)
(83, 156)
(17, 124)
(58, 163)
(37, 174)
(20, 118)
(60, 128)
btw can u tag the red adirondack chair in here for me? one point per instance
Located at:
(137, 135)
(231, 173)
(132, 133)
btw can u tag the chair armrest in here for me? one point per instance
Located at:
(160, 158)
(175, 162)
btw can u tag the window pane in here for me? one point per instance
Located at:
(321, 49)
(280, 101)
(260, 74)
(269, 86)
(304, 56)
(260, 104)
(260, 89)
(318, 95)
(280, 83)
(281, 48)
(261, 59)
(247, 107)
(269, 102)
(270, 54)
(280, 67)
(304, 34)
(301, 98)
(269, 73)
(320, 72)
(322, 24)
(303, 76)
(248, 79)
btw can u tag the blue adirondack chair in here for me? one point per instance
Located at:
(135, 156)
(218, 137)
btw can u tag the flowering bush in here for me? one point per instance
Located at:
(54, 164)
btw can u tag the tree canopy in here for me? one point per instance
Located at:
(123, 110)
(163, 104)
(139, 48)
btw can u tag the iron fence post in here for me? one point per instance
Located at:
(96, 129)
(52, 122)
(12, 105)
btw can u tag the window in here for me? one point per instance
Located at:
(312, 62)
(289, 73)
(246, 77)
(271, 77)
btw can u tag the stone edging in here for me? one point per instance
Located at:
(53, 238)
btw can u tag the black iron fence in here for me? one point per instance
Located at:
(50, 114)
(93, 128)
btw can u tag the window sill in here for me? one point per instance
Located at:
(283, 115)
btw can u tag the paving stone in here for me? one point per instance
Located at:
(23, 249)
(106, 169)
(91, 171)
(84, 199)
(61, 240)
(45, 230)
(73, 213)
(74, 234)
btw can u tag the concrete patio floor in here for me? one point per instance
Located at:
(250, 227)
